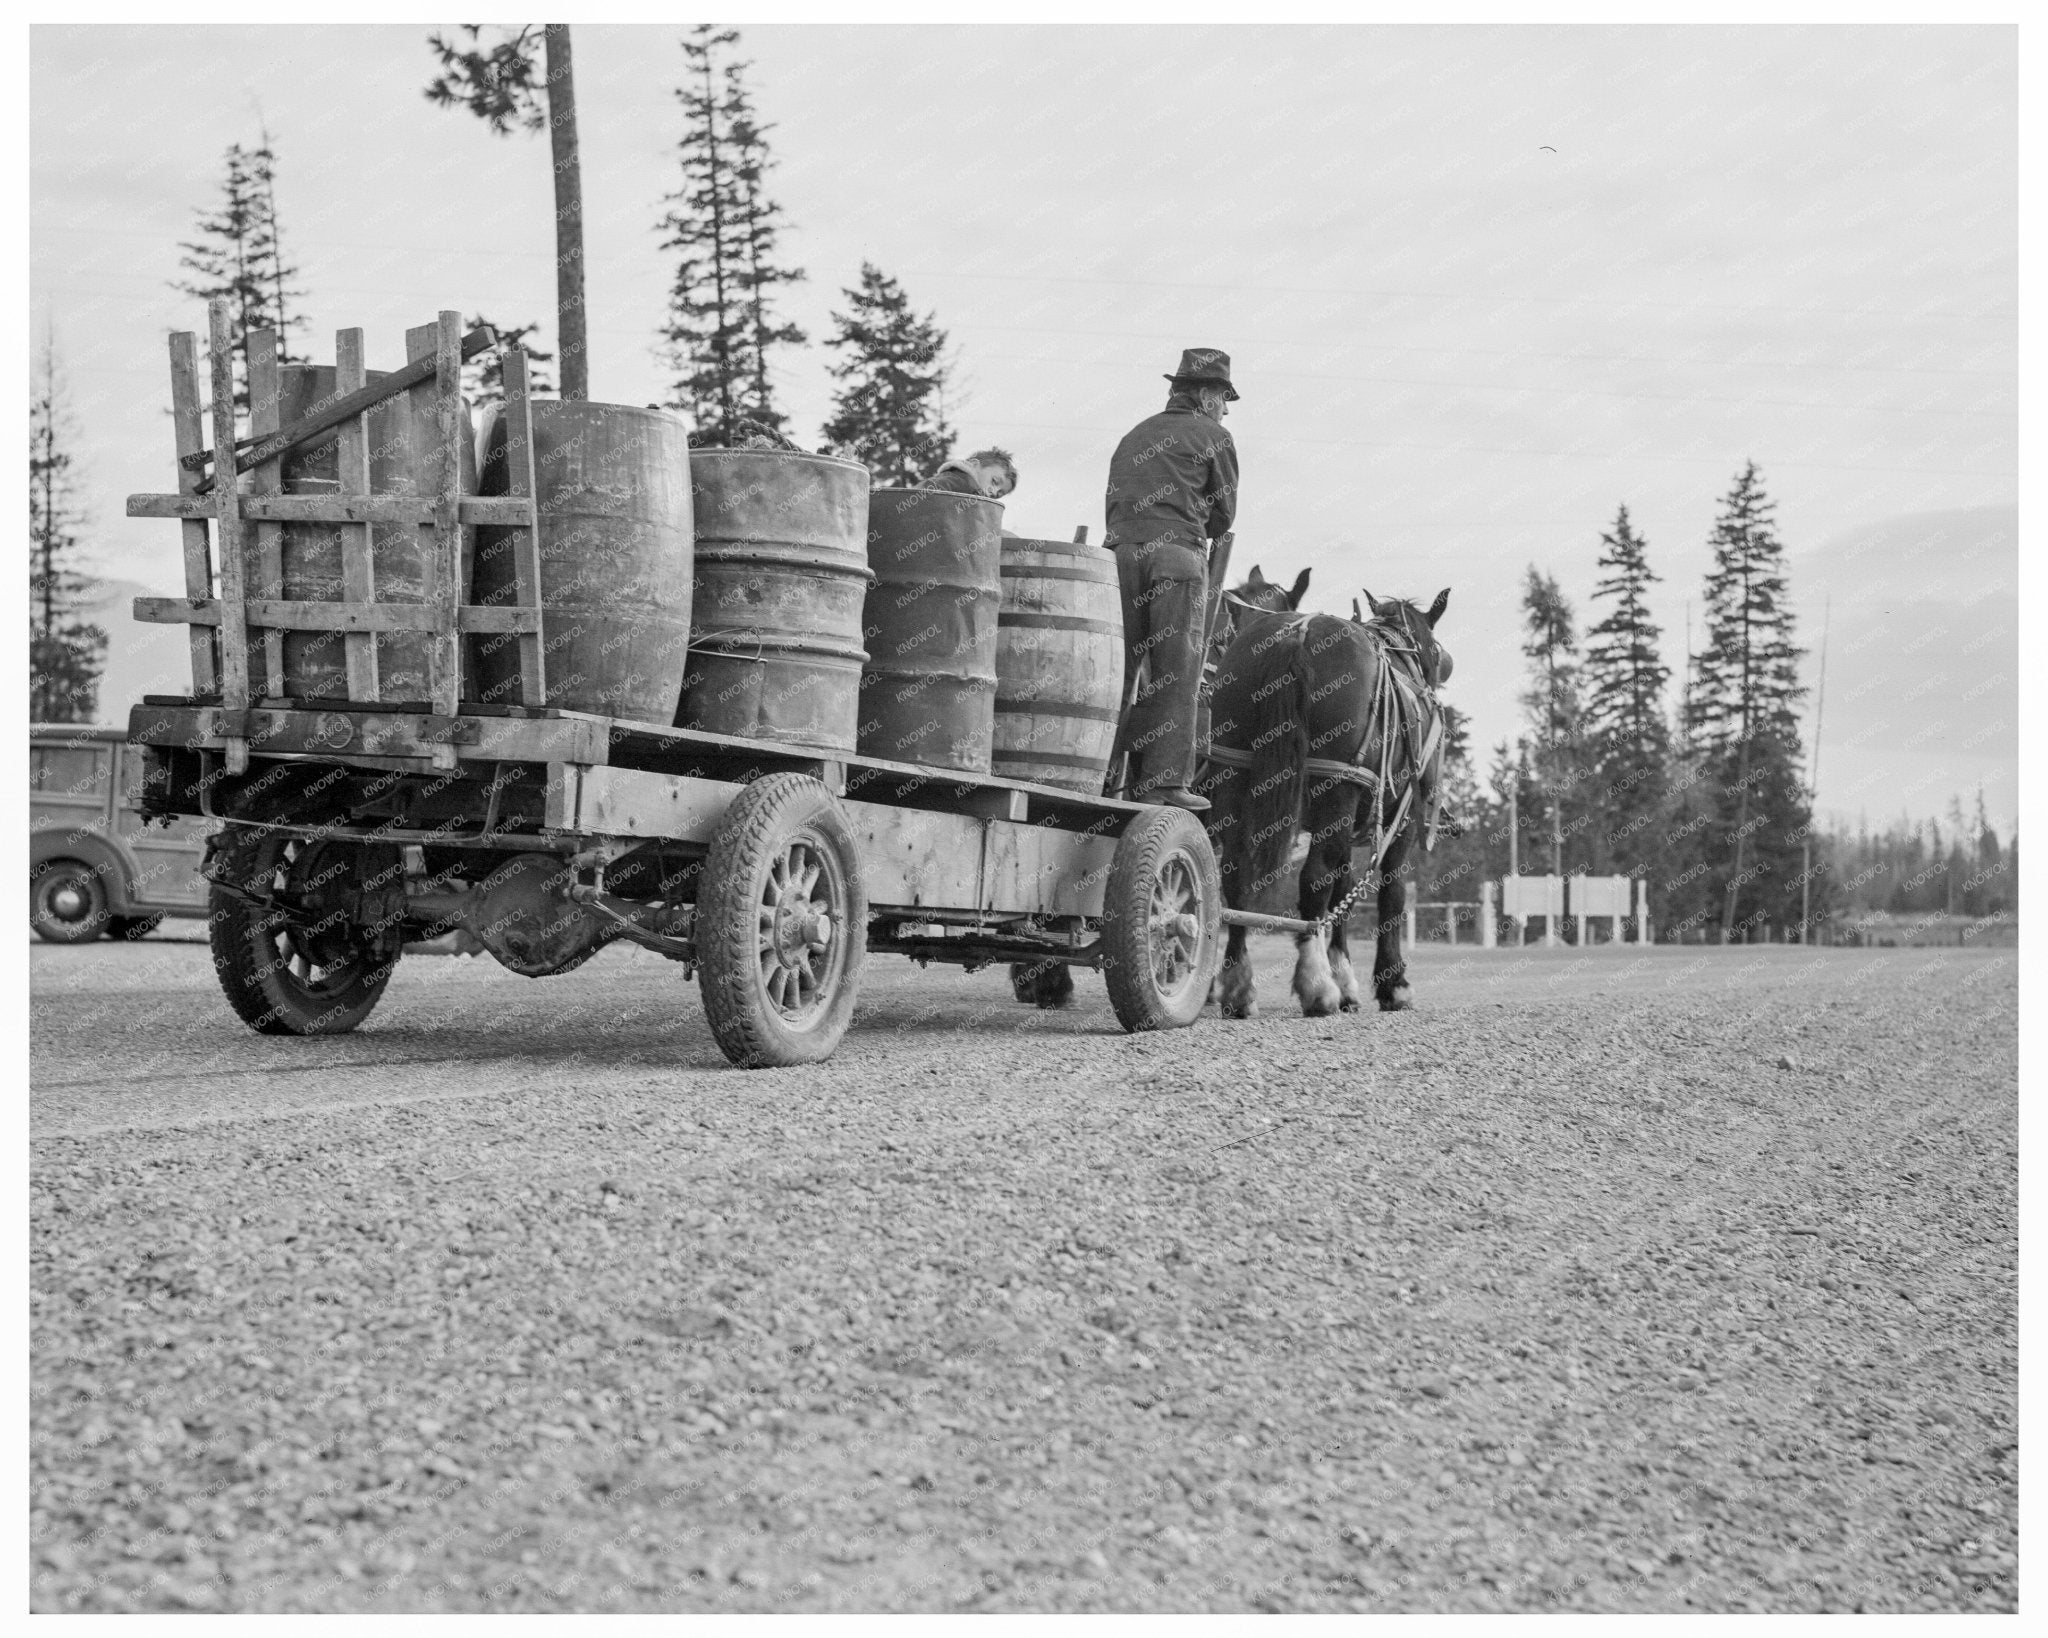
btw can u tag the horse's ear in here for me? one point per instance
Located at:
(1357, 619)
(1300, 590)
(1436, 609)
(1371, 601)
(1255, 578)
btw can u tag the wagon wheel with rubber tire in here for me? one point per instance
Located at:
(287, 949)
(782, 924)
(128, 927)
(1161, 921)
(67, 902)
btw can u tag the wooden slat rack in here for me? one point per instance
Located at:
(234, 582)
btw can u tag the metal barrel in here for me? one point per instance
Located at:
(1059, 664)
(928, 694)
(782, 573)
(405, 459)
(612, 487)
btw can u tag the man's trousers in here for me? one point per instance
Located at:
(1165, 586)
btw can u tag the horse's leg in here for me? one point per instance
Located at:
(1047, 984)
(1327, 866)
(1233, 992)
(1389, 971)
(1340, 941)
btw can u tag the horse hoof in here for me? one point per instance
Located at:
(1319, 1006)
(1239, 1009)
(1348, 1004)
(1399, 1001)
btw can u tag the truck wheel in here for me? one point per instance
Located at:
(782, 924)
(313, 972)
(131, 927)
(67, 902)
(1161, 921)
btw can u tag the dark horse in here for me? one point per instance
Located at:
(1322, 723)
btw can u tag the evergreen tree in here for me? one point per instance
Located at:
(1743, 713)
(483, 378)
(892, 374)
(66, 655)
(1629, 740)
(239, 256)
(526, 80)
(1555, 712)
(725, 229)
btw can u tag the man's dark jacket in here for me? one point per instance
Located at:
(1174, 477)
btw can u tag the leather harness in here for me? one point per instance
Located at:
(1401, 703)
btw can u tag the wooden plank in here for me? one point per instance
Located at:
(343, 408)
(266, 480)
(474, 509)
(910, 857)
(234, 636)
(307, 732)
(626, 802)
(1045, 872)
(439, 397)
(276, 614)
(188, 426)
(358, 557)
(523, 488)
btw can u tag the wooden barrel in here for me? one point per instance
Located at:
(612, 482)
(1059, 664)
(782, 573)
(405, 459)
(928, 693)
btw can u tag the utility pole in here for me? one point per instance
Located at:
(1820, 701)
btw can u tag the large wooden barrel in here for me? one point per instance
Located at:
(612, 482)
(405, 459)
(928, 694)
(782, 573)
(1059, 664)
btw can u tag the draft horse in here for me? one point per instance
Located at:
(1332, 726)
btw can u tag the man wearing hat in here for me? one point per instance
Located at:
(1172, 491)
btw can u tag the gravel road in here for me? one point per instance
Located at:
(1607, 1280)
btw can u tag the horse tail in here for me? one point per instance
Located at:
(1278, 713)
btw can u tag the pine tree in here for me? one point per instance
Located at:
(1553, 706)
(1743, 713)
(239, 257)
(725, 228)
(1629, 739)
(892, 374)
(760, 227)
(483, 378)
(526, 80)
(66, 654)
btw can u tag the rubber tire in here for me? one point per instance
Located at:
(1147, 842)
(133, 927)
(44, 881)
(266, 997)
(762, 820)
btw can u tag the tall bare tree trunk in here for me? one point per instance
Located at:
(568, 215)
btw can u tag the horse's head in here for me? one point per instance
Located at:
(1419, 627)
(1270, 595)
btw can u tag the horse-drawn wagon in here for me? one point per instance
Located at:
(357, 816)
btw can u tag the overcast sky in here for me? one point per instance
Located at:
(1459, 350)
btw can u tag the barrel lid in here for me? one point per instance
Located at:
(1066, 548)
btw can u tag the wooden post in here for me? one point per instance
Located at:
(188, 426)
(441, 398)
(358, 549)
(234, 612)
(1489, 933)
(520, 482)
(267, 479)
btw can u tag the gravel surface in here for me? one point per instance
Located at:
(1602, 1281)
